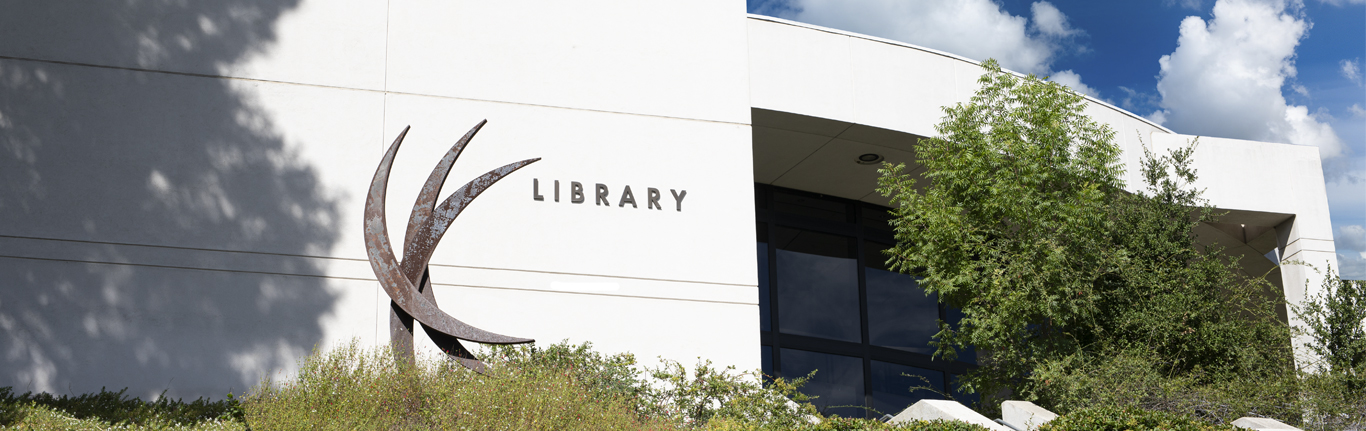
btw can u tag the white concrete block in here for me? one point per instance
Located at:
(1262, 424)
(928, 410)
(1025, 415)
(783, 57)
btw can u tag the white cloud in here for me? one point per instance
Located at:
(1356, 110)
(1073, 81)
(1188, 4)
(977, 29)
(1300, 89)
(1050, 21)
(1351, 237)
(1303, 128)
(1226, 76)
(1159, 117)
(1352, 266)
(1351, 71)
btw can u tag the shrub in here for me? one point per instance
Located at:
(729, 399)
(1334, 381)
(845, 424)
(105, 409)
(1138, 379)
(561, 388)
(1129, 419)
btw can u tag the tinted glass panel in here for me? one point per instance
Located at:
(876, 218)
(816, 243)
(838, 380)
(825, 284)
(767, 353)
(873, 257)
(765, 313)
(818, 296)
(810, 206)
(900, 315)
(892, 385)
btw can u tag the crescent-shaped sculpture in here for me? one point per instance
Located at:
(408, 282)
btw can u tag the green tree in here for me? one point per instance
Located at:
(1024, 225)
(1335, 320)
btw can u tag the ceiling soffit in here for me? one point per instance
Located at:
(820, 155)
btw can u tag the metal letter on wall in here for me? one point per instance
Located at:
(408, 282)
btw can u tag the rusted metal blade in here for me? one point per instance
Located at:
(388, 270)
(401, 324)
(449, 345)
(426, 202)
(429, 234)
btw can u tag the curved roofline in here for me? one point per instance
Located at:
(944, 54)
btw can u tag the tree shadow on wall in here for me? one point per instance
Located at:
(105, 157)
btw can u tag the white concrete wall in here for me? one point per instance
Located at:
(181, 184)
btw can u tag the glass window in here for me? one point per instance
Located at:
(838, 382)
(817, 285)
(900, 315)
(813, 207)
(766, 352)
(823, 286)
(765, 312)
(876, 218)
(873, 257)
(892, 385)
(816, 243)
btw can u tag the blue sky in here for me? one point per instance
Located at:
(1287, 71)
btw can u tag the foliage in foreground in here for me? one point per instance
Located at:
(1025, 226)
(1319, 396)
(1335, 320)
(560, 387)
(1129, 419)
(354, 388)
(105, 410)
(847, 424)
(1132, 380)
(1334, 381)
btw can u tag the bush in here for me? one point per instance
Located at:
(1137, 379)
(562, 388)
(105, 409)
(723, 396)
(847, 424)
(1322, 395)
(1334, 381)
(1129, 419)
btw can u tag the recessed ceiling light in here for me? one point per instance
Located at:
(870, 158)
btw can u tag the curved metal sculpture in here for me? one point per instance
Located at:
(408, 282)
